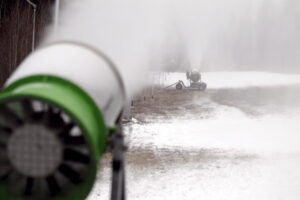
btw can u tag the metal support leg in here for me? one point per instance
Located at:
(118, 166)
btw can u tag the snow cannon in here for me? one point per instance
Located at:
(57, 113)
(194, 78)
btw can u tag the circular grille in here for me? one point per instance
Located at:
(43, 152)
(34, 150)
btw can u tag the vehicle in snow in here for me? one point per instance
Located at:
(194, 78)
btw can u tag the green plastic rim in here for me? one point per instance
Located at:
(76, 103)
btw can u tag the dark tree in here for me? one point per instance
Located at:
(16, 31)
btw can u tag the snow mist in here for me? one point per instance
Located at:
(141, 35)
(123, 30)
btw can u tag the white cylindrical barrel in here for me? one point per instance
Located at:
(82, 65)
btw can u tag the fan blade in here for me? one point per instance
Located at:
(3, 155)
(76, 156)
(9, 117)
(5, 171)
(4, 137)
(54, 119)
(27, 108)
(4, 177)
(29, 186)
(2, 146)
(70, 173)
(37, 116)
(53, 186)
(66, 129)
(75, 140)
(16, 183)
(5, 130)
(15, 177)
(68, 139)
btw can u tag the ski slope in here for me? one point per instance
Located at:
(248, 147)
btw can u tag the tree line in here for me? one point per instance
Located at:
(16, 23)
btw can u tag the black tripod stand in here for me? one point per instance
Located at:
(118, 165)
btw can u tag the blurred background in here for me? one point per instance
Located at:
(214, 35)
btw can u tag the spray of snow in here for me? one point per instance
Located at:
(123, 30)
(139, 35)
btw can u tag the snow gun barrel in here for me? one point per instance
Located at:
(57, 111)
(194, 76)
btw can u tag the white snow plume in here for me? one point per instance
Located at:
(123, 30)
(178, 34)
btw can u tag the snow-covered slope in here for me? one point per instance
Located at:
(234, 154)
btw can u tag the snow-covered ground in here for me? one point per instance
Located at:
(217, 80)
(234, 154)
